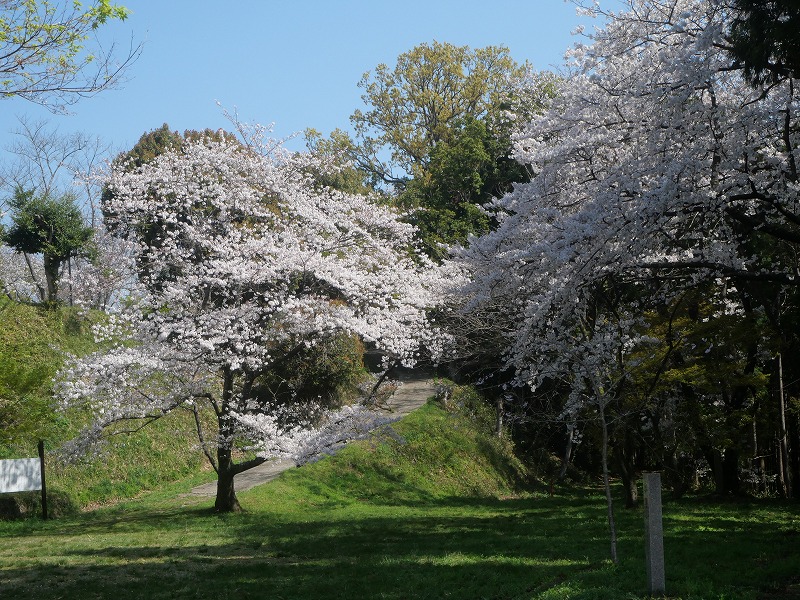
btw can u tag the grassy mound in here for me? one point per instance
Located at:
(430, 455)
(34, 342)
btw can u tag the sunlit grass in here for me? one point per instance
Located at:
(382, 521)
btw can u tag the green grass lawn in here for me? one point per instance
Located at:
(390, 519)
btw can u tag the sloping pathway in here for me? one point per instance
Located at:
(415, 391)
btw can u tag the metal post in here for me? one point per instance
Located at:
(44, 487)
(653, 534)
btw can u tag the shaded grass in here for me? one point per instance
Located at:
(444, 548)
(386, 519)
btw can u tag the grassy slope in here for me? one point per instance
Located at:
(433, 512)
(33, 344)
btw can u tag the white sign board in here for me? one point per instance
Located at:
(20, 475)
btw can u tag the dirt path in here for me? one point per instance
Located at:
(414, 392)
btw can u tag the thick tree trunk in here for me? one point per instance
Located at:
(226, 494)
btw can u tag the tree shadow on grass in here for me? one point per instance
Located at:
(485, 549)
(451, 548)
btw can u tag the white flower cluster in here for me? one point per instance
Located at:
(653, 163)
(305, 441)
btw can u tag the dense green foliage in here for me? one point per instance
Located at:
(417, 104)
(435, 136)
(467, 170)
(765, 39)
(327, 373)
(52, 227)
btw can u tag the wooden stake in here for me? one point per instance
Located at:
(44, 487)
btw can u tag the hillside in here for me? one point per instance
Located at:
(34, 341)
(435, 452)
(432, 454)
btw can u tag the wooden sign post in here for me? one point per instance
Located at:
(24, 475)
(44, 486)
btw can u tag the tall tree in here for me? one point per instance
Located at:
(436, 132)
(52, 227)
(255, 262)
(765, 38)
(50, 162)
(46, 53)
(416, 105)
(657, 165)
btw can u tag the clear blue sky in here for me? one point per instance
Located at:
(294, 63)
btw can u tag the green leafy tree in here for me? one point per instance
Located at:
(421, 102)
(765, 39)
(46, 53)
(150, 145)
(341, 173)
(467, 170)
(50, 226)
(436, 132)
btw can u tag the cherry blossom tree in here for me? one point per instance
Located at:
(244, 261)
(658, 167)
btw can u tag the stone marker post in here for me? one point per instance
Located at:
(653, 534)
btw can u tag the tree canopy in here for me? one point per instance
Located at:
(418, 104)
(660, 227)
(46, 53)
(53, 227)
(436, 135)
(765, 38)
(255, 262)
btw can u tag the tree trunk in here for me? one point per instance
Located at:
(40, 289)
(626, 456)
(719, 473)
(786, 476)
(51, 267)
(606, 482)
(226, 494)
(499, 417)
(567, 452)
(730, 472)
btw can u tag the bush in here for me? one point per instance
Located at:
(25, 505)
(328, 372)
